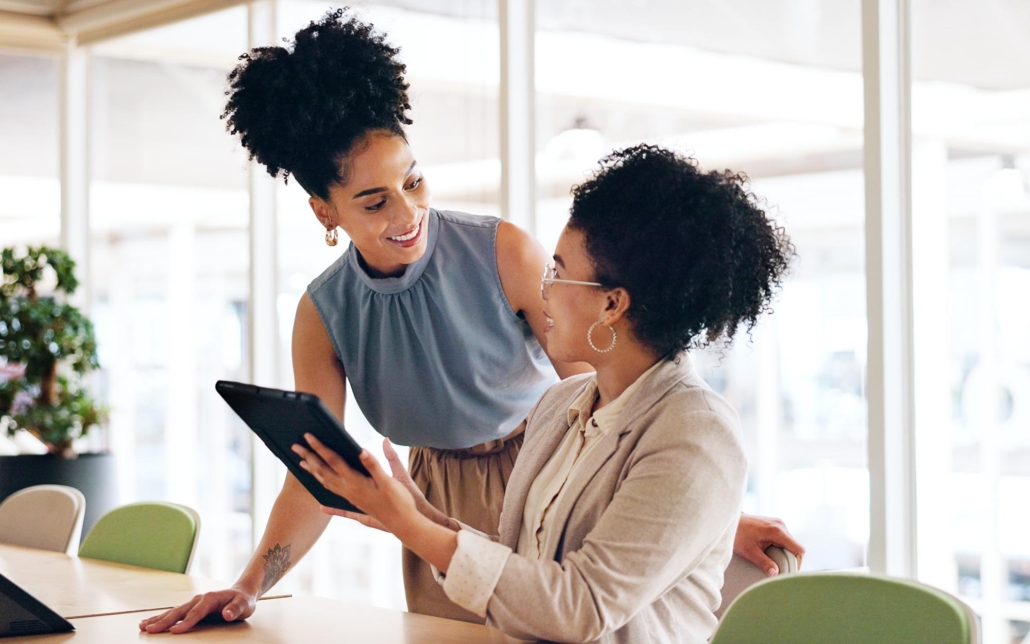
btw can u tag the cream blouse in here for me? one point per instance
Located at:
(584, 433)
(478, 562)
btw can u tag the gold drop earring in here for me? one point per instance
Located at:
(332, 236)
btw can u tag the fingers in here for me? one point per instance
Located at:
(167, 619)
(160, 623)
(789, 544)
(238, 608)
(328, 456)
(363, 519)
(331, 459)
(227, 605)
(372, 466)
(309, 460)
(150, 620)
(199, 611)
(312, 462)
(756, 556)
(346, 514)
(775, 534)
(394, 460)
(336, 512)
(755, 534)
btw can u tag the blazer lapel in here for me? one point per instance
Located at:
(550, 428)
(584, 472)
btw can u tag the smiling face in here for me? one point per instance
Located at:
(572, 308)
(382, 207)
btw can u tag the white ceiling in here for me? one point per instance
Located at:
(48, 23)
(981, 43)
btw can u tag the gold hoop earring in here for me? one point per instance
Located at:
(332, 237)
(590, 339)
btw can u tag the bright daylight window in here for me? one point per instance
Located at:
(774, 90)
(771, 88)
(30, 211)
(168, 242)
(971, 211)
(451, 53)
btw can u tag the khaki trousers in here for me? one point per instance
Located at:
(467, 485)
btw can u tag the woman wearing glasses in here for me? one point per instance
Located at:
(433, 317)
(619, 517)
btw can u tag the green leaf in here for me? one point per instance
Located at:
(41, 332)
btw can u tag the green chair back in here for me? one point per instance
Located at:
(845, 609)
(161, 536)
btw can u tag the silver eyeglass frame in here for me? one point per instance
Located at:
(548, 279)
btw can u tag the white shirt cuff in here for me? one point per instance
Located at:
(475, 568)
(439, 576)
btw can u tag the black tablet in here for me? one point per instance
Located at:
(23, 614)
(281, 418)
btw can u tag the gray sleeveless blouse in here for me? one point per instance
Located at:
(435, 357)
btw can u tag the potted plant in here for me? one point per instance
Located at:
(46, 347)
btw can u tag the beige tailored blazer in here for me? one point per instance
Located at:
(647, 522)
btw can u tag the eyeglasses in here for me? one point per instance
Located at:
(549, 278)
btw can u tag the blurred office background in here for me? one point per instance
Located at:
(193, 261)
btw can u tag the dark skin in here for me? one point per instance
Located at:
(392, 503)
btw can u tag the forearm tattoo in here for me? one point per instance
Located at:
(276, 562)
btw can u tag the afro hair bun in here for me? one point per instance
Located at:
(298, 109)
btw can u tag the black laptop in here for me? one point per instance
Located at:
(23, 614)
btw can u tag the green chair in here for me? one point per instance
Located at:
(161, 536)
(844, 608)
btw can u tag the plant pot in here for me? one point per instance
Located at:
(92, 474)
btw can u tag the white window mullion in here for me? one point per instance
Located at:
(886, 63)
(262, 314)
(993, 577)
(935, 563)
(517, 102)
(73, 92)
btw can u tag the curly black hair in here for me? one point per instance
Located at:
(697, 254)
(301, 109)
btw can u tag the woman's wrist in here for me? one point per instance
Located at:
(429, 540)
(249, 584)
(411, 529)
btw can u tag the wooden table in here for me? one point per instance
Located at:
(79, 587)
(106, 602)
(294, 619)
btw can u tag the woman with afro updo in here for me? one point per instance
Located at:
(619, 517)
(434, 317)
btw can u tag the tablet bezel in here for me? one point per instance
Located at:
(312, 416)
